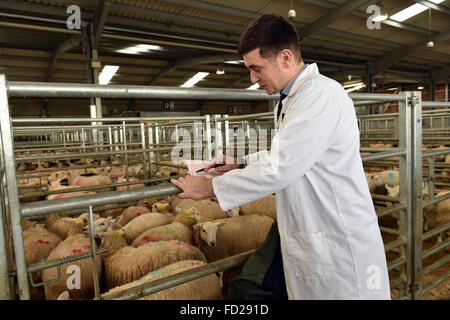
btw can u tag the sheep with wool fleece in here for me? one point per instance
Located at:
(64, 226)
(227, 237)
(130, 213)
(266, 206)
(71, 246)
(173, 231)
(129, 186)
(142, 223)
(204, 288)
(78, 180)
(206, 207)
(123, 263)
(437, 214)
(389, 177)
(38, 243)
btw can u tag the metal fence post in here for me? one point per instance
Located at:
(13, 193)
(415, 110)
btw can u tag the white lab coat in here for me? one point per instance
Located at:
(329, 234)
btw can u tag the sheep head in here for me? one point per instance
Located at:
(208, 231)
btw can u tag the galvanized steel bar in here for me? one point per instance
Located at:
(32, 209)
(13, 194)
(177, 279)
(63, 90)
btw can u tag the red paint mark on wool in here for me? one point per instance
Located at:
(83, 248)
(43, 241)
(261, 215)
(195, 263)
(149, 239)
(184, 244)
(58, 196)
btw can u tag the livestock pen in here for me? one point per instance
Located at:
(147, 141)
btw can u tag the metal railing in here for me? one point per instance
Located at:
(409, 152)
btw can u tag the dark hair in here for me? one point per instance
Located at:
(270, 33)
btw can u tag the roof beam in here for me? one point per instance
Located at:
(441, 74)
(194, 61)
(364, 15)
(65, 46)
(99, 21)
(331, 17)
(394, 57)
(433, 6)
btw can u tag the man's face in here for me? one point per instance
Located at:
(265, 71)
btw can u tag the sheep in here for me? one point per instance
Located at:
(38, 243)
(389, 177)
(226, 237)
(82, 181)
(130, 186)
(64, 226)
(27, 182)
(204, 288)
(266, 206)
(447, 158)
(124, 263)
(102, 225)
(161, 207)
(172, 231)
(437, 214)
(206, 207)
(130, 213)
(188, 217)
(142, 223)
(72, 245)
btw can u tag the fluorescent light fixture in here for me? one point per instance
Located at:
(140, 48)
(380, 18)
(107, 73)
(350, 85)
(235, 62)
(253, 87)
(220, 71)
(356, 88)
(192, 81)
(411, 11)
(148, 47)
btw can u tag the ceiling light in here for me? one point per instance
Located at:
(349, 77)
(140, 48)
(380, 18)
(196, 78)
(253, 87)
(411, 11)
(356, 88)
(235, 62)
(354, 84)
(420, 88)
(220, 70)
(107, 73)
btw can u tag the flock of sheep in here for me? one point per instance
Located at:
(153, 238)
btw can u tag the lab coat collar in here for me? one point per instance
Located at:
(310, 71)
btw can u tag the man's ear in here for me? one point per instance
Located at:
(286, 58)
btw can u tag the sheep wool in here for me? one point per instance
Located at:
(64, 226)
(206, 207)
(84, 289)
(172, 231)
(130, 213)
(38, 243)
(265, 206)
(142, 223)
(437, 214)
(204, 288)
(237, 235)
(129, 264)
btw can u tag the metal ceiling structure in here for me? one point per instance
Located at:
(200, 35)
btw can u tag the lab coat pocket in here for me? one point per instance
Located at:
(311, 254)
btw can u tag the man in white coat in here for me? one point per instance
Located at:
(329, 234)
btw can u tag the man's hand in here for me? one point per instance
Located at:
(194, 187)
(230, 164)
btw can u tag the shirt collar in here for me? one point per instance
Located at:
(288, 87)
